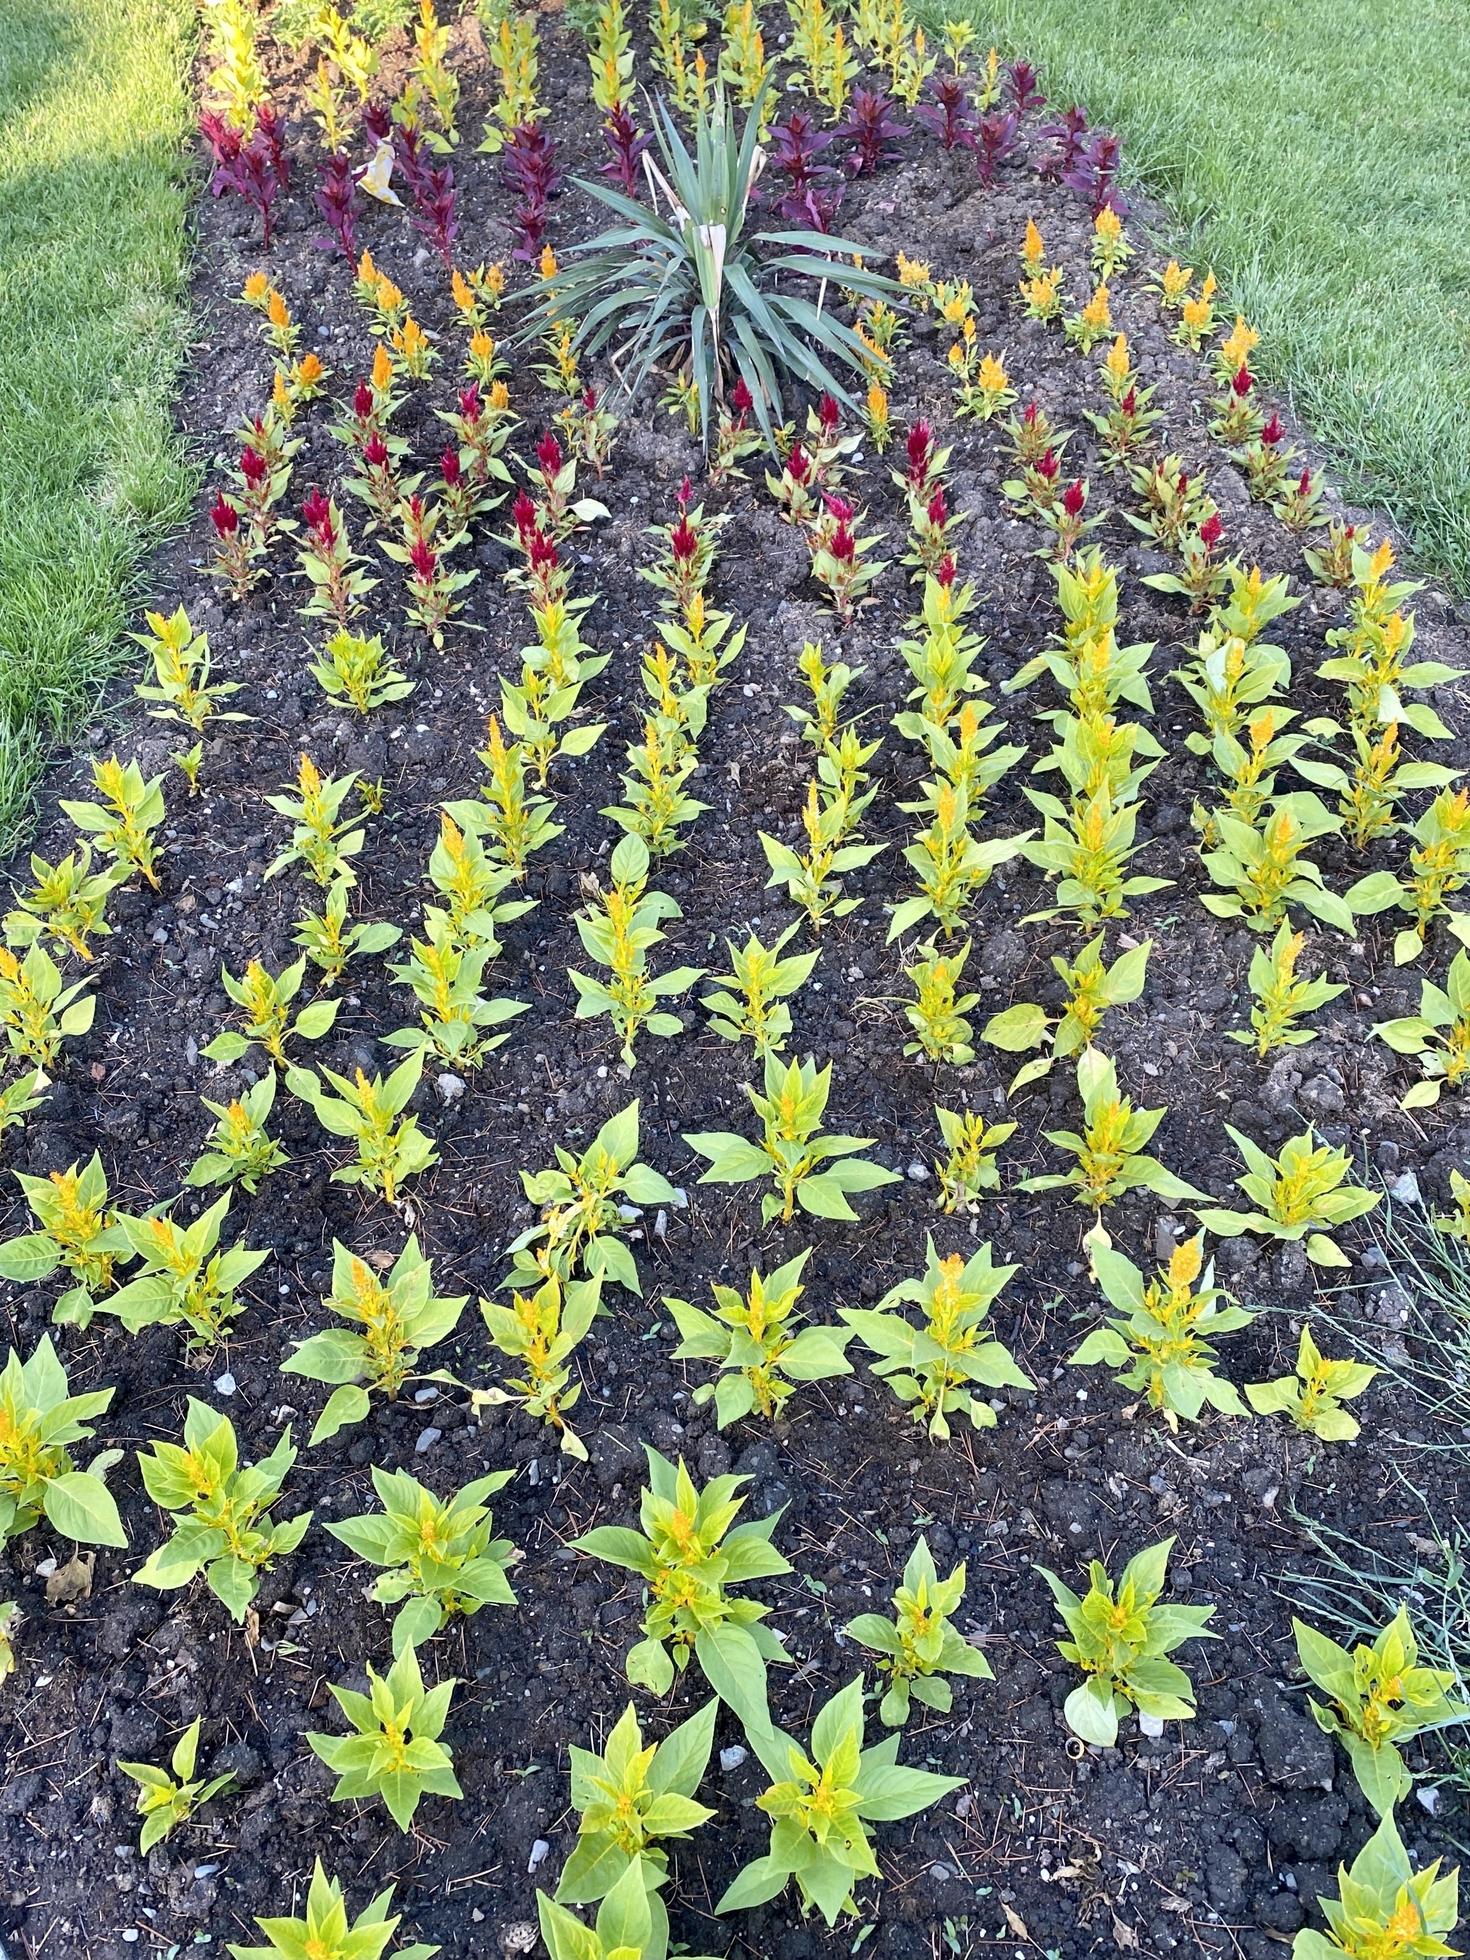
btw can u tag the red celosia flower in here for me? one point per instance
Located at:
(827, 414)
(918, 445)
(543, 555)
(1181, 482)
(839, 508)
(1242, 384)
(470, 404)
(223, 516)
(1273, 432)
(946, 570)
(316, 515)
(1211, 531)
(741, 399)
(423, 560)
(683, 540)
(1074, 497)
(449, 467)
(589, 400)
(798, 464)
(1129, 401)
(1304, 482)
(842, 546)
(548, 455)
(1048, 467)
(375, 451)
(938, 511)
(523, 513)
(253, 467)
(1029, 414)
(684, 496)
(362, 401)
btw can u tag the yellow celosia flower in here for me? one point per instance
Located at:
(1209, 287)
(1107, 226)
(276, 309)
(309, 371)
(1195, 314)
(459, 289)
(389, 296)
(1241, 342)
(992, 377)
(495, 280)
(382, 368)
(367, 271)
(546, 264)
(1098, 312)
(1033, 250)
(1174, 281)
(877, 403)
(1116, 363)
(256, 290)
(912, 272)
(499, 397)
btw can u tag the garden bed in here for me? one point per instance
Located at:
(1216, 1837)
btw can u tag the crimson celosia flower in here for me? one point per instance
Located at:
(543, 555)
(798, 464)
(1304, 482)
(470, 404)
(938, 511)
(1048, 468)
(548, 455)
(362, 401)
(422, 558)
(842, 545)
(449, 467)
(683, 540)
(375, 451)
(839, 508)
(1129, 402)
(316, 515)
(919, 444)
(946, 570)
(523, 514)
(1074, 497)
(1242, 384)
(253, 467)
(223, 516)
(1211, 531)
(1273, 432)
(827, 414)
(741, 399)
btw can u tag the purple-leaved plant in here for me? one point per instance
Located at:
(249, 171)
(997, 137)
(336, 197)
(948, 116)
(873, 129)
(626, 144)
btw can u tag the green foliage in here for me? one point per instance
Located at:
(937, 1012)
(326, 1933)
(393, 1320)
(1384, 1909)
(629, 1798)
(78, 1232)
(265, 1000)
(394, 1751)
(390, 1145)
(1439, 865)
(67, 903)
(936, 1367)
(1439, 1034)
(185, 1279)
(617, 933)
(1378, 1697)
(458, 1026)
(182, 671)
(125, 820)
(688, 1553)
(358, 671)
(540, 1331)
(1120, 1639)
(223, 1527)
(1090, 987)
(1109, 1149)
(919, 1647)
(239, 1148)
(821, 1804)
(751, 1002)
(1261, 870)
(170, 1797)
(440, 1557)
(1314, 1393)
(1294, 1194)
(1162, 1338)
(631, 1925)
(807, 1167)
(38, 1475)
(584, 1204)
(696, 288)
(37, 1011)
(758, 1344)
(329, 942)
(323, 840)
(970, 1170)
(1282, 996)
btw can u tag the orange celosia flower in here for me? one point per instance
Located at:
(1033, 250)
(276, 309)
(309, 371)
(256, 289)
(459, 289)
(382, 368)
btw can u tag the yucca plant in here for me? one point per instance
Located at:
(685, 281)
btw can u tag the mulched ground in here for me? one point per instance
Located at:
(1215, 1839)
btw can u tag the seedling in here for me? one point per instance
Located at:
(1110, 1159)
(919, 1646)
(1314, 1393)
(390, 1146)
(970, 1169)
(631, 1798)
(394, 1751)
(439, 1555)
(239, 1148)
(821, 1804)
(1120, 1639)
(688, 1553)
(586, 1205)
(808, 1168)
(265, 1001)
(392, 1322)
(170, 1797)
(751, 1002)
(78, 1232)
(934, 1369)
(1439, 1034)
(540, 1331)
(1282, 996)
(185, 1280)
(1295, 1194)
(37, 1010)
(759, 1344)
(1091, 988)
(38, 1474)
(125, 821)
(1384, 1907)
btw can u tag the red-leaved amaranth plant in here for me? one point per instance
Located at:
(528, 167)
(412, 157)
(949, 115)
(1022, 87)
(1094, 172)
(997, 138)
(435, 215)
(336, 198)
(811, 190)
(1066, 135)
(873, 129)
(255, 171)
(626, 143)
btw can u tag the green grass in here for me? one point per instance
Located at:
(93, 199)
(1312, 152)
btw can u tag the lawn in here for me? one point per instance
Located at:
(92, 265)
(1306, 148)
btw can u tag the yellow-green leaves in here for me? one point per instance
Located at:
(937, 1012)
(458, 1025)
(587, 1202)
(223, 1527)
(326, 1933)
(390, 1322)
(39, 1477)
(1439, 1034)
(1294, 1195)
(359, 671)
(393, 1751)
(182, 682)
(1091, 988)
(808, 1168)
(390, 1145)
(77, 1230)
(265, 1001)
(617, 931)
(1120, 1637)
(631, 1798)
(1314, 1394)
(169, 1797)
(239, 1148)
(1379, 1696)
(125, 821)
(1385, 1910)
(323, 840)
(67, 903)
(750, 1004)
(1108, 1151)
(539, 1331)
(759, 1343)
(38, 1011)
(185, 1280)
(969, 1170)
(1282, 996)
(1262, 869)
(936, 1367)
(919, 1646)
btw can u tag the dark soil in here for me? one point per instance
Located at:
(1215, 1839)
